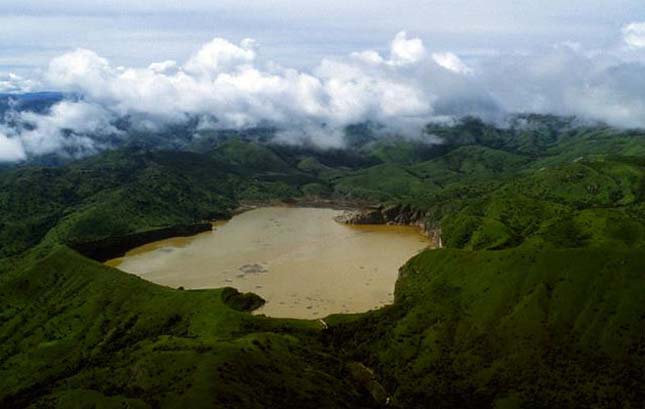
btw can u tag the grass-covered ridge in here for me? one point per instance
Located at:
(552, 328)
(536, 301)
(74, 329)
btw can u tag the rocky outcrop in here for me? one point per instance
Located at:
(394, 214)
(116, 246)
(368, 215)
(435, 237)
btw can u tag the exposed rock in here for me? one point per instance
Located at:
(394, 214)
(435, 237)
(369, 215)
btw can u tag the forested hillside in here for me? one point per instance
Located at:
(535, 301)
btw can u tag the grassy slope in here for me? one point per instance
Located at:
(554, 328)
(570, 205)
(74, 329)
(117, 193)
(128, 191)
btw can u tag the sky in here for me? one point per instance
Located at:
(297, 33)
(313, 67)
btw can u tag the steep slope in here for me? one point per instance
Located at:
(72, 331)
(570, 205)
(512, 328)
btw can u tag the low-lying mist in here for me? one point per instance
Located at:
(225, 85)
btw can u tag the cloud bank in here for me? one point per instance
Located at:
(226, 85)
(11, 83)
(224, 80)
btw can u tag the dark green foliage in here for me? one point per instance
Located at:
(74, 329)
(115, 194)
(241, 301)
(536, 303)
(556, 328)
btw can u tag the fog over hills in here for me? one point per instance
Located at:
(233, 85)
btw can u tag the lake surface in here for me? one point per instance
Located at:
(301, 261)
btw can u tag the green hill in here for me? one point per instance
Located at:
(75, 331)
(511, 328)
(536, 301)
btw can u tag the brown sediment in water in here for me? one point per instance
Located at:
(300, 260)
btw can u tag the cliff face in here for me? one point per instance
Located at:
(394, 214)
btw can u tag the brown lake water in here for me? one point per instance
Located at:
(301, 261)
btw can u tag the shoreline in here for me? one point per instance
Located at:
(355, 212)
(117, 246)
(334, 204)
(257, 242)
(112, 247)
(360, 212)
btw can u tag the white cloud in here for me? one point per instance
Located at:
(224, 80)
(135, 33)
(220, 55)
(13, 83)
(404, 51)
(227, 85)
(369, 56)
(163, 67)
(452, 62)
(80, 70)
(73, 127)
(597, 85)
(634, 35)
(11, 149)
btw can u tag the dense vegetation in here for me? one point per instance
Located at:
(508, 328)
(536, 301)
